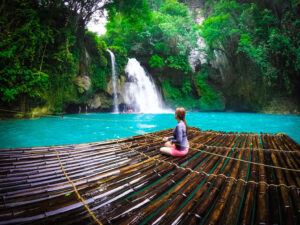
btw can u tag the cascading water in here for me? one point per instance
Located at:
(140, 93)
(114, 81)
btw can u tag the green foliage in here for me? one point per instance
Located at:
(183, 97)
(173, 29)
(173, 8)
(166, 31)
(271, 44)
(127, 20)
(42, 47)
(39, 55)
(96, 47)
(21, 53)
(118, 50)
(169, 91)
(99, 76)
(186, 88)
(209, 100)
(188, 102)
(98, 64)
(179, 62)
(155, 60)
(162, 47)
(121, 58)
(175, 98)
(258, 55)
(216, 29)
(204, 72)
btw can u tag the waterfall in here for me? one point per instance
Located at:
(139, 92)
(114, 81)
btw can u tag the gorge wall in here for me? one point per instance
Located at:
(202, 55)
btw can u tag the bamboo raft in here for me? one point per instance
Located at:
(226, 178)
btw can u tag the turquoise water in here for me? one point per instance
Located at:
(84, 128)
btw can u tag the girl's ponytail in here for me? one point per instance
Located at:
(186, 126)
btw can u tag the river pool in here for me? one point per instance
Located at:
(82, 128)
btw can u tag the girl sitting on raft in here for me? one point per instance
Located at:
(177, 145)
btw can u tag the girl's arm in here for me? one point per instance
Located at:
(171, 138)
(174, 134)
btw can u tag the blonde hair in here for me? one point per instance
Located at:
(180, 113)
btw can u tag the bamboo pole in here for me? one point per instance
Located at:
(182, 195)
(224, 194)
(173, 181)
(284, 192)
(146, 212)
(204, 197)
(248, 206)
(236, 199)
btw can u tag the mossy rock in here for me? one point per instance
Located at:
(19, 115)
(100, 101)
(83, 82)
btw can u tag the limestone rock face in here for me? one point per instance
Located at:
(120, 83)
(95, 102)
(109, 88)
(106, 101)
(83, 82)
(100, 100)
